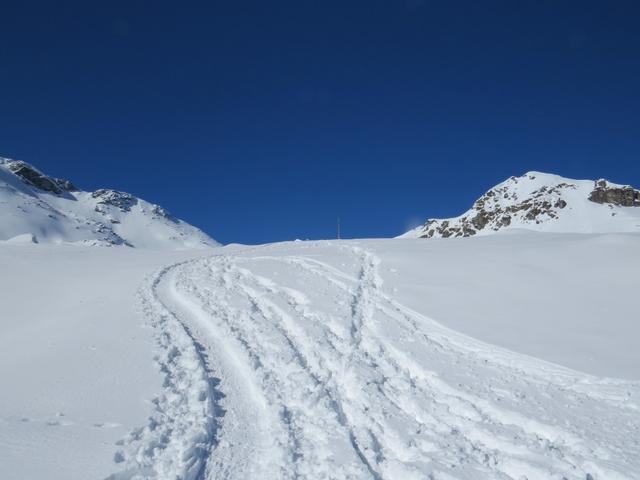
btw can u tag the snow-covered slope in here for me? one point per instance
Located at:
(510, 357)
(76, 363)
(372, 359)
(545, 203)
(41, 209)
(322, 367)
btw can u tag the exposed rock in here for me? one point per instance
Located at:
(537, 201)
(58, 212)
(480, 220)
(31, 176)
(161, 212)
(109, 236)
(496, 209)
(625, 196)
(121, 200)
(66, 185)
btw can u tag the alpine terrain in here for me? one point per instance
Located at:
(38, 208)
(546, 203)
(510, 356)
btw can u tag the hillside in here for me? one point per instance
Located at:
(37, 208)
(545, 203)
(485, 358)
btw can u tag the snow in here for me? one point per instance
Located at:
(498, 357)
(104, 217)
(530, 191)
(76, 361)
(566, 298)
(24, 238)
(510, 356)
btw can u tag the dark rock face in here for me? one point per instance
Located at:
(31, 176)
(121, 200)
(626, 196)
(480, 220)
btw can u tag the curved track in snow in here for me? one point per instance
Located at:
(292, 361)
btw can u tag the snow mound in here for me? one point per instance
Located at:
(543, 202)
(24, 238)
(41, 209)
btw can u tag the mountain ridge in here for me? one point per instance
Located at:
(543, 202)
(39, 208)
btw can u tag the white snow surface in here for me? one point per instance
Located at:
(76, 360)
(105, 217)
(532, 190)
(502, 357)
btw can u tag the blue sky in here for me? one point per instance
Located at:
(264, 121)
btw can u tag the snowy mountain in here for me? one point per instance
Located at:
(546, 203)
(37, 208)
(510, 357)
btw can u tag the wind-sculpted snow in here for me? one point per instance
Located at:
(321, 373)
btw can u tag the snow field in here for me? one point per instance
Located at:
(322, 373)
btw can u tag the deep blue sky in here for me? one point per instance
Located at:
(261, 121)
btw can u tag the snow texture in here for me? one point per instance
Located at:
(321, 372)
(546, 203)
(509, 357)
(42, 209)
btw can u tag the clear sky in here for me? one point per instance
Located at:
(265, 120)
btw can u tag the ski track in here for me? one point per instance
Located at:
(286, 366)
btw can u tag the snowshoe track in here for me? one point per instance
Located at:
(322, 374)
(177, 440)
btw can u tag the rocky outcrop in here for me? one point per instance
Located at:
(34, 203)
(496, 209)
(625, 196)
(158, 211)
(107, 235)
(66, 185)
(33, 177)
(543, 202)
(121, 200)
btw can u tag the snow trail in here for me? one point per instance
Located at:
(179, 435)
(321, 373)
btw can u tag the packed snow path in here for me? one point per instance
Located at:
(296, 363)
